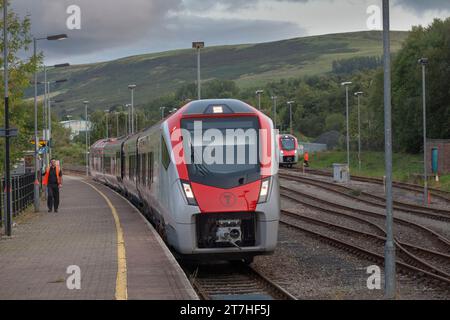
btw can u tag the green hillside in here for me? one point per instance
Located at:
(105, 84)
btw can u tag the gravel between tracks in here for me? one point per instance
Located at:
(404, 233)
(311, 269)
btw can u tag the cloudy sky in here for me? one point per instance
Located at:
(113, 29)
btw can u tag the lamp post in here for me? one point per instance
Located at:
(117, 123)
(86, 134)
(36, 138)
(128, 118)
(162, 112)
(137, 122)
(106, 122)
(358, 95)
(290, 103)
(49, 112)
(132, 87)
(389, 249)
(259, 93)
(198, 46)
(126, 122)
(8, 213)
(424, 63)
(346, 84)
(274, 99)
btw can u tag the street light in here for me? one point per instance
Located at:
(358, 95)
(8, 212)
(128, 118)
(117, 123)
(198, 46)
(274, 99)
(49, 112)
(259, 93)
(132, 87)
(389, 248)
(162, 112)
(346, 84)
(424, 63)
(36, 138)
(86, 134)
(106, 121)
(290, 103)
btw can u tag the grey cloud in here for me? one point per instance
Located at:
(149, 25)
(226, 31)
(232, 5)
(424, 5)
(105, 24)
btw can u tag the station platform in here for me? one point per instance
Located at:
(98, 246)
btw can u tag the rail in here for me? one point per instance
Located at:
(22, 194)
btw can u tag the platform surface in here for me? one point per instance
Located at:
(84, 233)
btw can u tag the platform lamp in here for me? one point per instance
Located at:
(198, 46)
(36, 138)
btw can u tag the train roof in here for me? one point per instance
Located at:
(216, 106)
(286, 136)
(100, 144)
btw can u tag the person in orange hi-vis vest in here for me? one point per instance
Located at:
(53, 180)
(306, 159)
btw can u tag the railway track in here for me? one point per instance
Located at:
(422, 258)
(443, 195)
(373, 200)
(402, 267)
(412, 259)
(302, 197)
(234, 280)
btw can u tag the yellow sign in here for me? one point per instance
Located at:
(42, 143)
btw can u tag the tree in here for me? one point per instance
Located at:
(20, 71)
(432, 42)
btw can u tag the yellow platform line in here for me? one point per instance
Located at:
(121, 279)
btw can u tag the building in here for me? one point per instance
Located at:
(438, 156)
(76, 127)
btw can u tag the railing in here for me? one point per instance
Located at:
(22, 194)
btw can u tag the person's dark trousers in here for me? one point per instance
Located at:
(52, 196)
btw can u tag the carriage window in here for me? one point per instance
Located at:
(165, 157)
(143, 165)
(150, 168)
(107, 164)
(118, 164)
(131, 166)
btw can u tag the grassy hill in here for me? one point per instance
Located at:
(105, 84)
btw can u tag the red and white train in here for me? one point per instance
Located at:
(288, 145)
(203, 209)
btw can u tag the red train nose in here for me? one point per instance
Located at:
(239, 199)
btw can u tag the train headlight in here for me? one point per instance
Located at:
(189, 193)
(282, 152)
(264, 192)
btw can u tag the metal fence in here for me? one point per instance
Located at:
(22, 194)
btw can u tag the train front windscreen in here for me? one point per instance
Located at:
(288, 144)
(222, 152)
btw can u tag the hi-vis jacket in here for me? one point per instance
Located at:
(47, 174)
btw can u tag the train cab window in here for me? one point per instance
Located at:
(165, 157)
(238, 163)
(288, 144)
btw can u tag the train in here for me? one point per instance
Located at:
(288, 146)
(203, 209)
